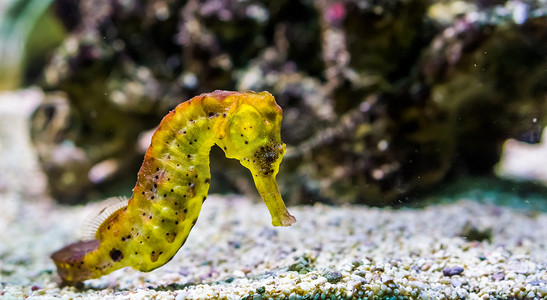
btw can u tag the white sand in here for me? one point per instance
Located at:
(330, 253)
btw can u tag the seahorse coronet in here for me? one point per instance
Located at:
(174, 179)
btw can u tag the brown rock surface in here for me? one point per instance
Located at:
(381, 100)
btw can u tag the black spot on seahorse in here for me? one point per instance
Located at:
(116, 255)
(170, 236)
(155, 255)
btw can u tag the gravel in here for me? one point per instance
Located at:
(351, 252)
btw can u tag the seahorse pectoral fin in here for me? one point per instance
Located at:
(267, 187)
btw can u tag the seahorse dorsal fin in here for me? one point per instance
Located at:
(95, 218)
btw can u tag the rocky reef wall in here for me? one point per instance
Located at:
(381, 99)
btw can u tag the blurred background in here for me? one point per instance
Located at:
(382, 100)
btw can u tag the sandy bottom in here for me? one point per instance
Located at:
(463, 250)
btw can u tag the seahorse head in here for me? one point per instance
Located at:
(253, 133)
(253, 137)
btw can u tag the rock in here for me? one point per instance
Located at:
(455, 282)
(498, 276)
(451, 271)
(261, 290)
(429, 88)
(537, 282)
(520, 160)
(21, 176)
(332, 275)
(472, 233)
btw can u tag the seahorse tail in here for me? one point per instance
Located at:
(70, 261)
(85, 260)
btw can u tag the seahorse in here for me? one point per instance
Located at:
(174, 179)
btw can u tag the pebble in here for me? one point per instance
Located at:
(332, 276)
(455, 282)
(537, 282)
(451, 271)
(498, 276)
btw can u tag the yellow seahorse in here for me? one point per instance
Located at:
(173, 182)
